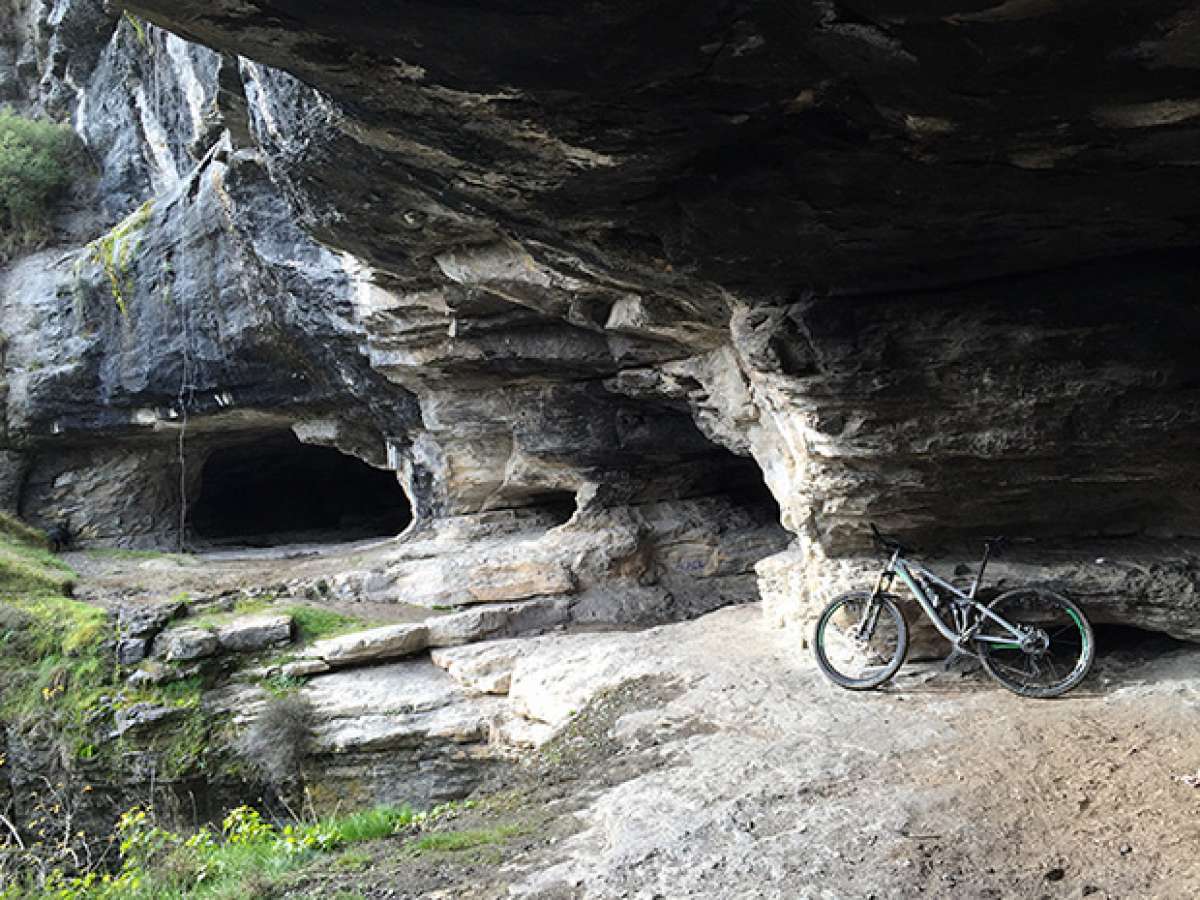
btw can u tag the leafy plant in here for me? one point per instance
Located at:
(37, 163)
(245, 857)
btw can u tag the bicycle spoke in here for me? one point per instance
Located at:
(1052, 656)
(1053, 670)
(860, 641)
(1012, 669)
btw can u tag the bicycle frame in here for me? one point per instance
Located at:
(910, 572)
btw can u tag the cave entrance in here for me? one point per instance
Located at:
(1128, 643)
(277, 490)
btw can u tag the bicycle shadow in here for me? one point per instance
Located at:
(1146, 660)
(932, 677)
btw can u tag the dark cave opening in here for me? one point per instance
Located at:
(276, 490)
(1130, 643)
(558, 506)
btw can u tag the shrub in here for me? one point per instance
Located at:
(36, 165)
(275, 742)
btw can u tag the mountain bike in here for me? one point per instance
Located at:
(1033, 641)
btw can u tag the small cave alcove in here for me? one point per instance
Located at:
(276, 490)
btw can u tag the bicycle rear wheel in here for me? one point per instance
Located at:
(1056, 649)
(861, 643)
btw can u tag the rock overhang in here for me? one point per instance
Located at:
(764, 147)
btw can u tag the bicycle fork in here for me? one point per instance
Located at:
(871, 615)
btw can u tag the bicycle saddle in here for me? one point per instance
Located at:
(890, 543)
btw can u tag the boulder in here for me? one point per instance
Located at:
(147, 619)
(405, 704)
(480, 668)
(144, 715)
(255, 633)
(151, 672)
(301, 668)
(387, 642)
(182, 644)
(131, 651)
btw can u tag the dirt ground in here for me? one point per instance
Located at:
(738, 772)
(726, 767)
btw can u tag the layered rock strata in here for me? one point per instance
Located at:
(924, 267)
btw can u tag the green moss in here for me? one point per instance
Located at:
(12, 527)
(243, 607)
(116, 250)
(58, 671)
(139, 30)
(27, 568)
(54, 667)
(37, 163)
(314, 622)
(182, 747)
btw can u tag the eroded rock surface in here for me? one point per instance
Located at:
(928, 268)
(923, 267)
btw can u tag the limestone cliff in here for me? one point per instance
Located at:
(929, 266)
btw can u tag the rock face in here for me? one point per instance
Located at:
(185, 644)
(248, 633)
(928, 267)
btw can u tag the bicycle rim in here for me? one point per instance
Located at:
(1055, 654)
(854, 651)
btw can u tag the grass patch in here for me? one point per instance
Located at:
(369, 824)
(30, 571)
(244, 606)
(314, 622)
(53, 664)
(12, 527)
(353, 861)
(455, 841)
(246, 857)
(27, 567)
(37, 163)
(282, 685)
(58, 672)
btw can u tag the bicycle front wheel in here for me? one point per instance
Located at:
(1054, 651)
(860, 643)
